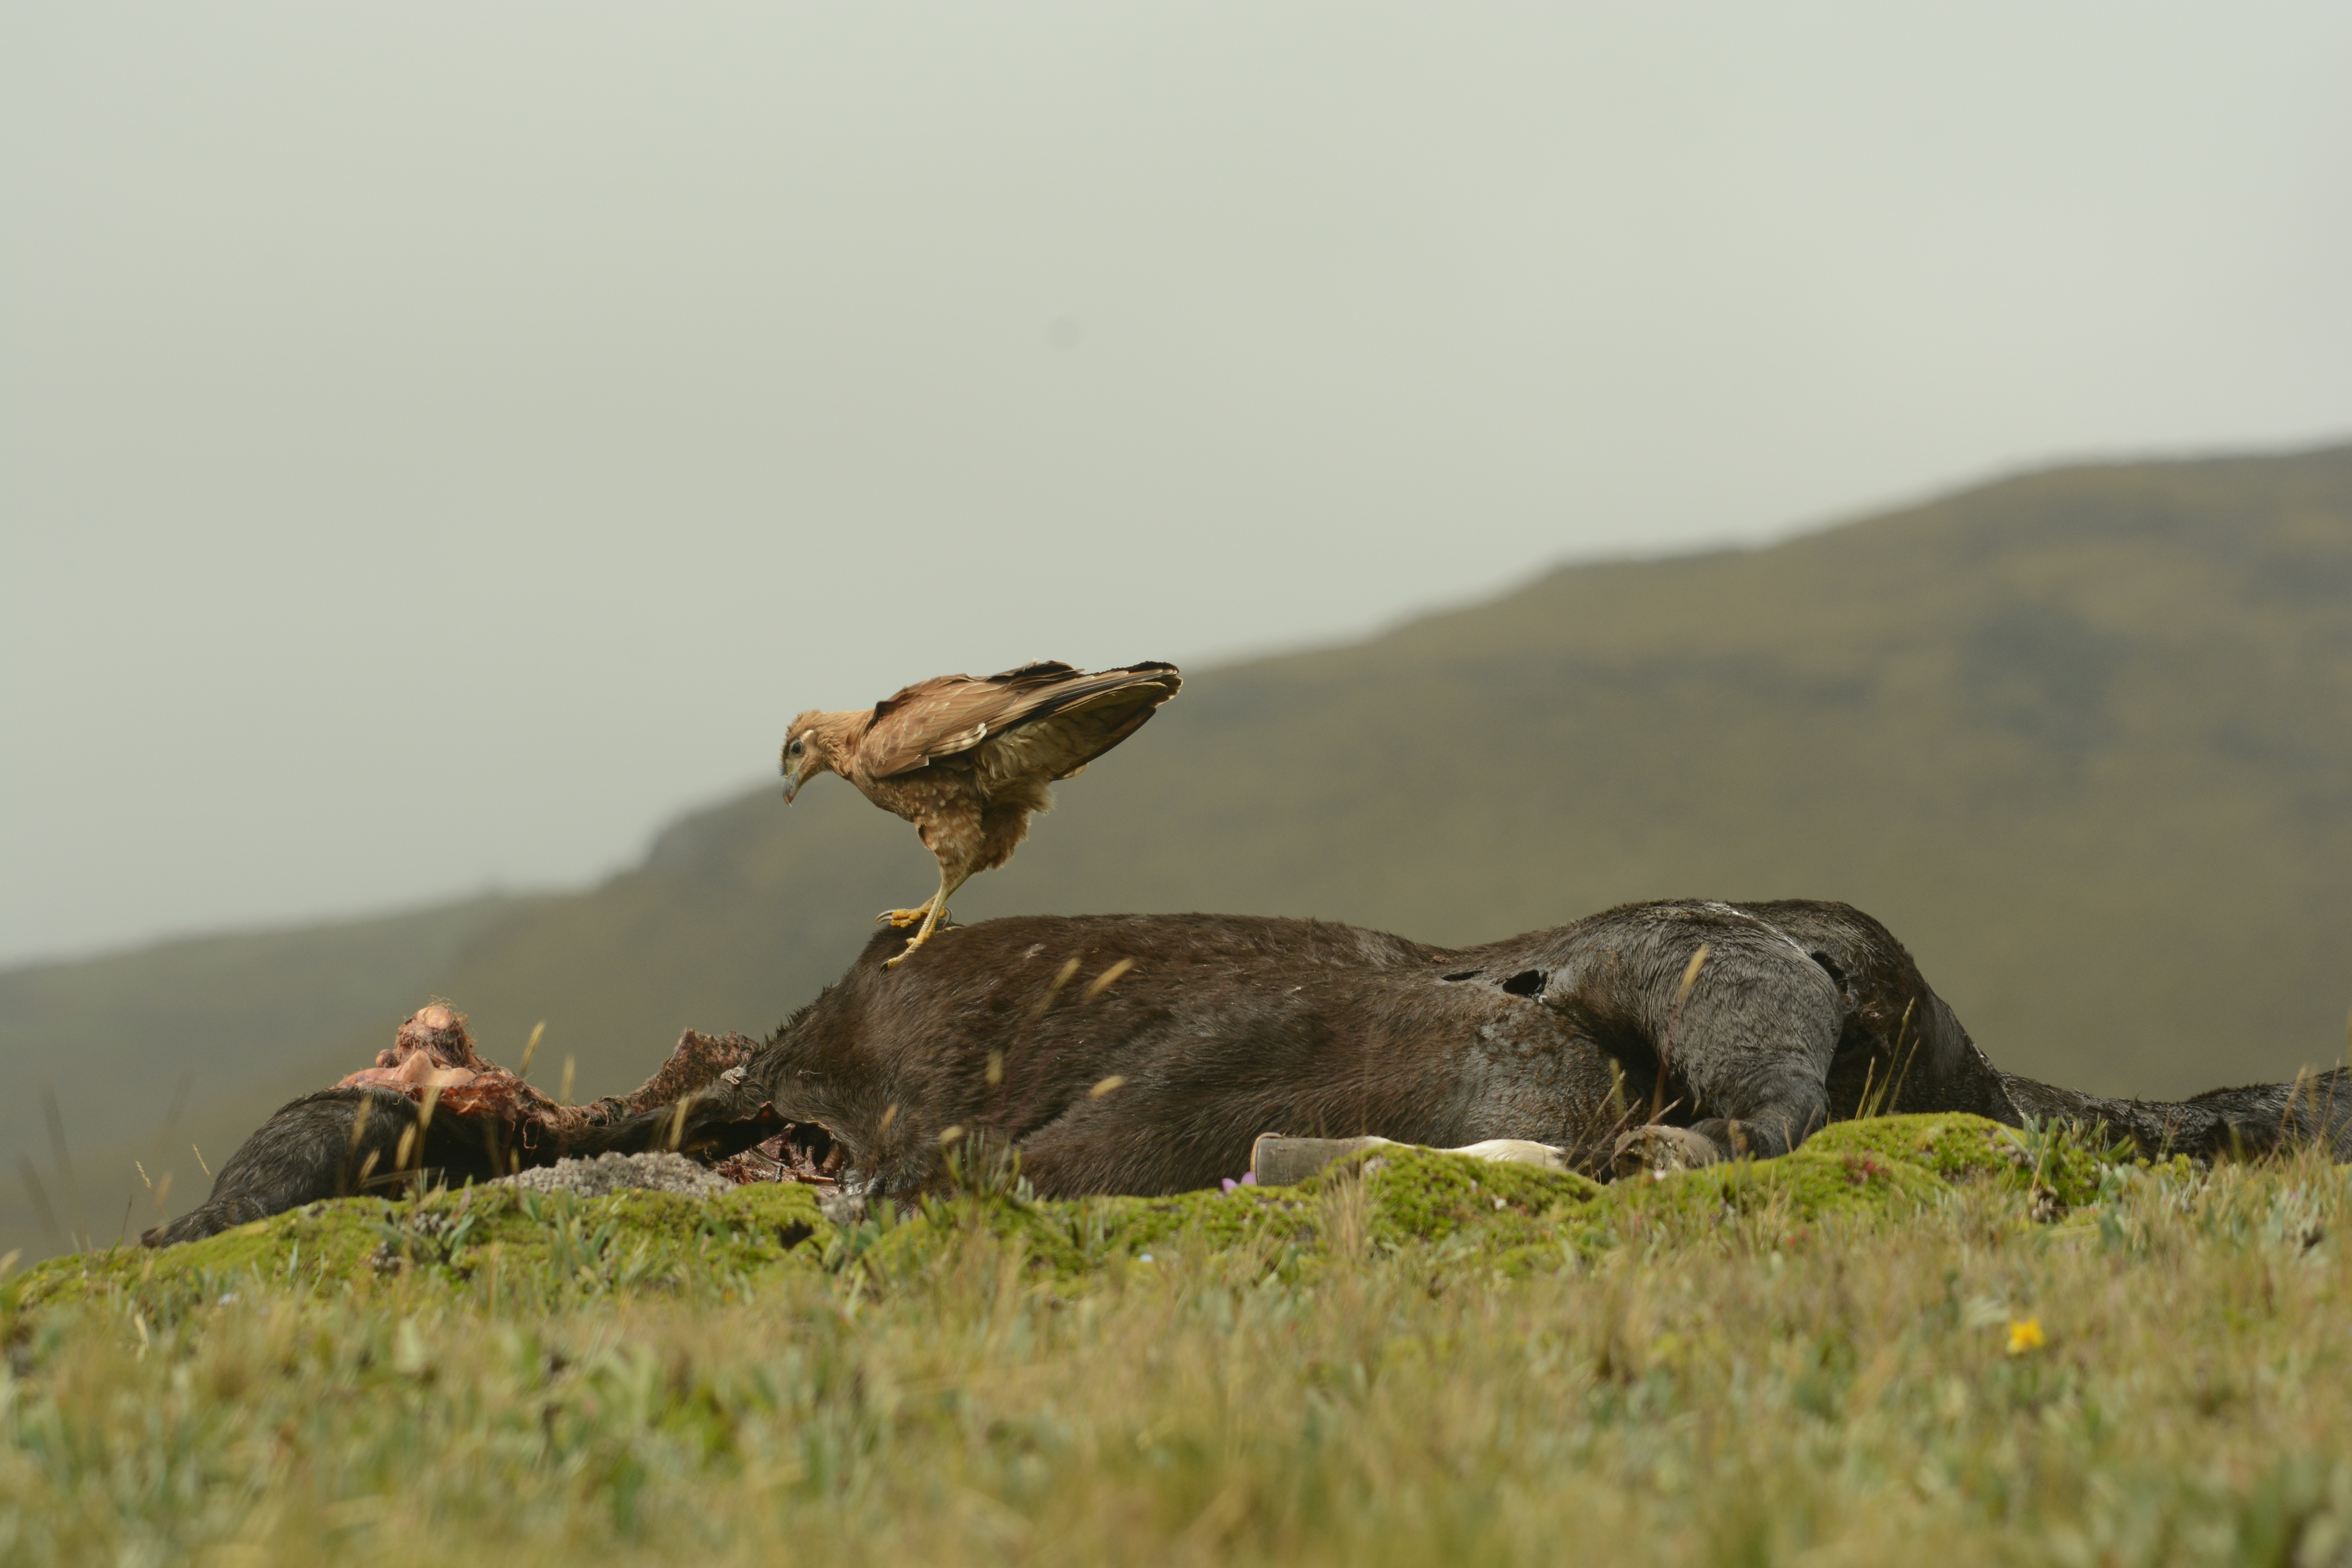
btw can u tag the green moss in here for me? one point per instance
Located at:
(1808, 1185)
(2069, 1164)
(1077, 1237)
(1956, 1147)
(1447, 1204)
(330, 1239)
(1420, 1195)
(1410, 1198)
(629, 1240)
(1246, 1216)
(533, 1240)
(1518, 1215)
(1393, 1200)
(1451, 1210)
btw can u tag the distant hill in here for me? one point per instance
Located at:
(2083, 738)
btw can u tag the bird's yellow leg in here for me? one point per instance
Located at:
(905, 918)
(939, 907)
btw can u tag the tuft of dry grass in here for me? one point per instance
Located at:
(1720, 1388)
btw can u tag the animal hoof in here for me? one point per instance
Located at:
(1657, 1149)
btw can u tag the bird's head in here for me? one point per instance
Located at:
(805, 753)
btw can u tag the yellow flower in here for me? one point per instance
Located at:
(2025, 1335)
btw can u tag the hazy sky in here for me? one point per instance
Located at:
(439, 442)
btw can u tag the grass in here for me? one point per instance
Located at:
(1918, 1335)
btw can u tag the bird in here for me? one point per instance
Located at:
(968, 760)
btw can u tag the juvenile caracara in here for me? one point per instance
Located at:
(967, 761)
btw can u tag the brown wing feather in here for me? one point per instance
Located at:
(1060, 745)
(954, 713)
(934, 717)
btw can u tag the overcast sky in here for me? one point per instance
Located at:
(437, 443)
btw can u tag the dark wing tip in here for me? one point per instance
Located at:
(1054, 670)
(1036, 670)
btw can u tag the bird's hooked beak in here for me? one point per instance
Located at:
(795, 770)
(792, 783)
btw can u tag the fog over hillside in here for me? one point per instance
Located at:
(2083, 738)
(440, 442)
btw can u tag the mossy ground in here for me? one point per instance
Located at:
(1397, 1201)
(1916, 1333)
(499, 1239)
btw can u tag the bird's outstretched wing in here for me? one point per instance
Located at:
(1045, 717)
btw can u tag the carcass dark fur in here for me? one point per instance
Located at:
(1144, 1053)
(347, 1140)
(1224, 1027)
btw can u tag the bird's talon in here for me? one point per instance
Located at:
(901, 918)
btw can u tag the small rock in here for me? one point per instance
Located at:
(841, 1206)
(660, 1172)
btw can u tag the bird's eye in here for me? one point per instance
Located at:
(795, 747)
